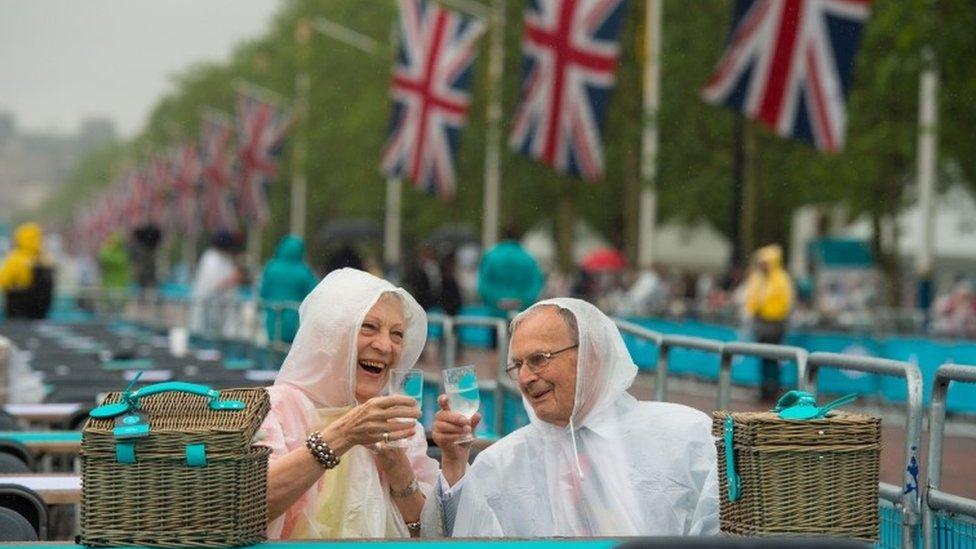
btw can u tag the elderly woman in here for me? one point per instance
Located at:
(333, 473)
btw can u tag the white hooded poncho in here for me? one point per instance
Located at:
(316, 385)
(621, 468)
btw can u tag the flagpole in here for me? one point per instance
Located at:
(495, 17)
(492, 184)
(928, 120)
(649, 137)
(738, 167)
(299, 184)
(391, 226)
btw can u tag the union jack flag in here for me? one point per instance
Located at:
(569, 52)
(261, 127)
(186, 170)
(431, 94)
(788, 65)
(217, 172)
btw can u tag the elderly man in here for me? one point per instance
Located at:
(594, 461)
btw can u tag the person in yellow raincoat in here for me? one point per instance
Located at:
(26, 277)
(768, 301)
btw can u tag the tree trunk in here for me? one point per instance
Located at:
(887, 257)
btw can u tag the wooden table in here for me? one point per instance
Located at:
(56, 489)
(43, 413)
(55, 442)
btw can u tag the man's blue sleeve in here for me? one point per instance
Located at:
(448, 500)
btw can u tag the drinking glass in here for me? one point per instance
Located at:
(461, 387)
(409, 383)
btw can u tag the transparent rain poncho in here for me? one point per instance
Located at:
(621, 467)
(316, 385)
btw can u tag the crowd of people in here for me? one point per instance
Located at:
(442, 279)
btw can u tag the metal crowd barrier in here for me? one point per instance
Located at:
(934, 499)
(660, 379)
(670, 342)
(758, 350)
(277, 309)
(450, 338)
(902, 497)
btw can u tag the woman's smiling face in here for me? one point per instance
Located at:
(379, 345)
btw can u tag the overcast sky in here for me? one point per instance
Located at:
(62, 60)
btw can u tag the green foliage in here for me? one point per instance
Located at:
(350, 108)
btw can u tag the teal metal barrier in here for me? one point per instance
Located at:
(954, 531)
(945, 517)
(890, 536)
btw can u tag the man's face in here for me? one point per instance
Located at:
(552, 391)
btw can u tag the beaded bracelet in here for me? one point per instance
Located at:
(321, 451)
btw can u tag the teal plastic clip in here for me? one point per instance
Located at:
(734, 483)
(802, 406)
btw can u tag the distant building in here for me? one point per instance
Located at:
(35, 165)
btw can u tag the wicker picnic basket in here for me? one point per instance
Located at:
(816, 477)
(173, 465)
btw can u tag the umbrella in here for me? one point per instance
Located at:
(604, 260)
(451, 236)
(348, 230)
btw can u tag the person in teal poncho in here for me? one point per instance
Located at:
(508, 277)
(113, 259)
(286, 278)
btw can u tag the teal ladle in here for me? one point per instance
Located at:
(806, 411)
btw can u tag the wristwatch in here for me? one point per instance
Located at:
(410, 490)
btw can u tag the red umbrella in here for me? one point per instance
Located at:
(604, 260)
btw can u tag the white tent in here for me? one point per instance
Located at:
(692, 247)
(696, 247)
(955, 234)
(540, 243)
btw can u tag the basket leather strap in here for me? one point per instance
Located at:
(125, 452)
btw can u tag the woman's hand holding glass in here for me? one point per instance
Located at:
(410, 383)
(373, 421)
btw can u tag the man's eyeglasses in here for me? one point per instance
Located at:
(535, 362)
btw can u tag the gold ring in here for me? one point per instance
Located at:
(386, 437)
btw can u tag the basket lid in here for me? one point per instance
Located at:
(178, 414)
(768, 429)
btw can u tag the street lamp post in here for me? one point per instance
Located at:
(495, 16)
(649, 137)
(299, 178)
(493, 136)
